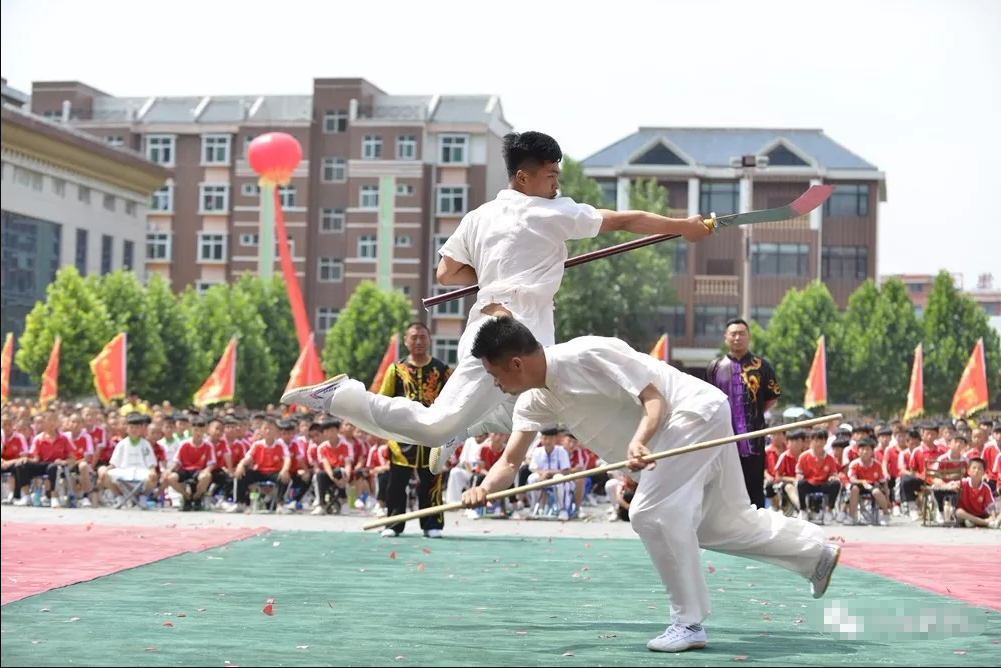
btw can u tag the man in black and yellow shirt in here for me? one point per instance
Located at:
(418, 377)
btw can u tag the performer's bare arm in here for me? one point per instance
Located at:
(644, 222)
(453, 272)
(502, 473)
(654, 409)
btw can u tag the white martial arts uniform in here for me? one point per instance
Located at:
(697, 499)
(517, 245)
(556, 460)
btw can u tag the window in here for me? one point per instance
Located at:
(720, 198)
(679, 258)
(26, 177)
(107, 248)
(254, 240)
(211, 247)
(160, 149)
(83, 194)
(331, 270)
(436, 243)
(286, 195)
(214, 198)
(163, 199)
(371, 147)
(672, 320)
(368, 197)
(335, 170)
(59, 187)
(405, 289)
(335, 121)
(913, 287)
(128, 255)
(762, 315)
(130, 208)
(250, 190)
(115, 141)
(610, 193)
(711, 319)
(848, 201)
(405, 189)
(403, 241)
(80, 260)
(780, 259)
(326, 316)
(215, 149)
(453, 149)
(406, 147)
(158, 246)
(845, 262)
(451, 200)
(331, 220)
(447, 350)
(249, 239)
(247, 141)
(992, 308)
(202, 287)
(450, 309)
(368, 246)
(109, 202)
(31, 257)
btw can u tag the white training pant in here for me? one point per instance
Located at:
(562, 492)
(700, 499)
(470, 404)
(612, 486)
(458, 480)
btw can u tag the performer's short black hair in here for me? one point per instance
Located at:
(503, 337)
(796, 435)
(818, 433)
(840, 443)
(867, 442)
(529, 150)
(913, 433)
(550, 431)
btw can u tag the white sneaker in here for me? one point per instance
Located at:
(85, 502)
(821, 577)
(23, 501)
(388, 533)
(319, 510)
(440, 456)
(433, 533)
(314, 397)
(678, 638)
(563, 516)
(55, 503)
(234, 508)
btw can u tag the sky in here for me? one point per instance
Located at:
(913, 86)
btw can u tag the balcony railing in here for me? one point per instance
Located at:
(717, 286)
(397, 112)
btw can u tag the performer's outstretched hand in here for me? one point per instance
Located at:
(697, 229)
(474, 497)
(636, 451)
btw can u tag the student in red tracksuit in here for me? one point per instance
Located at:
(267, 460)
(49, 450)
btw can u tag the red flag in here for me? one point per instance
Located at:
(971, 393)
(221, 385)
(661, 351)
(50, 378)
(816, 381)
(916, 390)
(391, 355)
(6, 358)
(299, 316)
(109, 370)
(306, 370)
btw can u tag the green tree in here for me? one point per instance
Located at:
(129, 310)
(77, 315)
(797, 323)
(356, 343)
(881, 331)
(617, 296)
(213, 319)
(271, 301)
(180, 379)
(952, 323)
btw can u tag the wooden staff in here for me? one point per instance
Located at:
(513, 491)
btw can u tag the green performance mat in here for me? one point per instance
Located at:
(357, 599)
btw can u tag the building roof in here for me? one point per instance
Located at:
(463, 109)
(714, 147)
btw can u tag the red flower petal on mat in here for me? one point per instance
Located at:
(90, 525)
(420, 567)
(427, 551)
(587, 545)
(567, 653)
(607, 635)
(362, 570)
(168, 624)
(456, 522)
(521, 633)
(575, 575)
(167, 584)
(399, 657)
(276, 543)
(171, 526)
(995, 642)
(711, 569)
(948, 590)
(181, 614)
(35, 642)
(150, 648)
(44, 610)
(585, 568)
(798, 620)
(651, 607)
(959, 651)
(230, 664)
(270, 601)
(740, 657)
(392, 555)
(269, 610)
(329, 604)
(766, 618)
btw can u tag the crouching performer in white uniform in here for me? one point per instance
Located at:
(613, 399)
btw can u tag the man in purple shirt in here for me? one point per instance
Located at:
(749, 382)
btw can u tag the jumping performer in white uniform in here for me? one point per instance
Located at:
(514, 248)
(616, 401)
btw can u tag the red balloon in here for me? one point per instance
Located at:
(274, 156)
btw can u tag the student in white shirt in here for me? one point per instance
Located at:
(549, 460)
(513, 248)
(624, 405)
(133, 459)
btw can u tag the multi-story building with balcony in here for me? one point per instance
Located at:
(701, 168)
(441, 151)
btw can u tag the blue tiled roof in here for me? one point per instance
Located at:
(713, 147)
